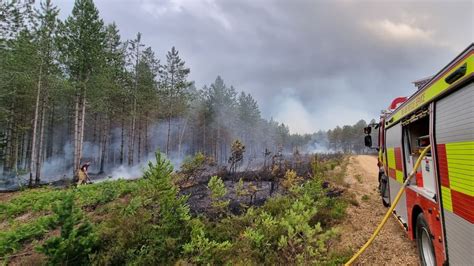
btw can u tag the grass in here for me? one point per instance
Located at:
(33, 200)
(153, 224)
(337, 171)
(12, 240)
(38, 204)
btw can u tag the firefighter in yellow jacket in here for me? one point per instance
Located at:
(83, 176)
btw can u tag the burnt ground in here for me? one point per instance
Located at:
(258, 185)
(391, 246)
(257, 193)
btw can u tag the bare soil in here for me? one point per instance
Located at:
(392, 246)
(6, 196)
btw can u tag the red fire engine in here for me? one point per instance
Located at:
(437, 206)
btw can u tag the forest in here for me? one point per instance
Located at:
(74, 91)
(180, 174)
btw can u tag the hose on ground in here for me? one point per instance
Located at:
(390, 210)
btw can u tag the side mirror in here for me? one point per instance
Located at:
(368, 141)
(367, 130)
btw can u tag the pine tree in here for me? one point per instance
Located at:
(174, 82)
(46, 34)
(135, 54)
(223, 112)
(17, 69)
(84, 40)
(248, 119)
(106, 104)
(147, 98)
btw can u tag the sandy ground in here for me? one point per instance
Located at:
(392, 246)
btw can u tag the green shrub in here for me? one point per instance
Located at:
(286, 229)
(193, 165)
(150, 230)
(218, 191)
(287, 234)
(217, 187)
(240, 189)
(201, 249)
(77, 239)
(290, 179)
(124, 237)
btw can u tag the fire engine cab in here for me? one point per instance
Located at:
(437, 207)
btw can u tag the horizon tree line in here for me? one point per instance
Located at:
(73, 91)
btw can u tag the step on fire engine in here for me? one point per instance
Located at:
(437, 206)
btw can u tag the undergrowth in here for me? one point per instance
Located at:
(154, 226)
(39, 204)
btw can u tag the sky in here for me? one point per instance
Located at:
(311, 64)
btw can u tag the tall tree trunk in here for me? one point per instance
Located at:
(39, 159)
(22, 150)
(131, 138)
(218, 145)
(204, 137)
(181, 136)
(26, 146)
(14, 161)
(100, 128)
(104, 145)
(35, 126)
(139, 146)
(95, 129)
(168, 137)
(76, 137)
(7, 166)
(50, 145)
(122, 141)
(79, 126)
(131, 143)
(147, 148)
(170, 113)
(82, 125)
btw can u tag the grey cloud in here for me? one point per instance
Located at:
(341, 60)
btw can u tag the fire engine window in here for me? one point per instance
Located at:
(418, 135)
(415, 137)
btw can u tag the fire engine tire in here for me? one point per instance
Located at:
(385, 204)
(424, 242)
(383, 188)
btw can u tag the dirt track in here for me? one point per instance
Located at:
(392, 246)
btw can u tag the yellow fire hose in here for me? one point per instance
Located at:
(390, 210)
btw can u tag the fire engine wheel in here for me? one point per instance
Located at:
(424, 242)
(385, 204)
(383, 187)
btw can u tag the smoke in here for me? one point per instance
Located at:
(316, 147)
(123, 172)
(58, 166)
(291, 111)
(186, 138)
